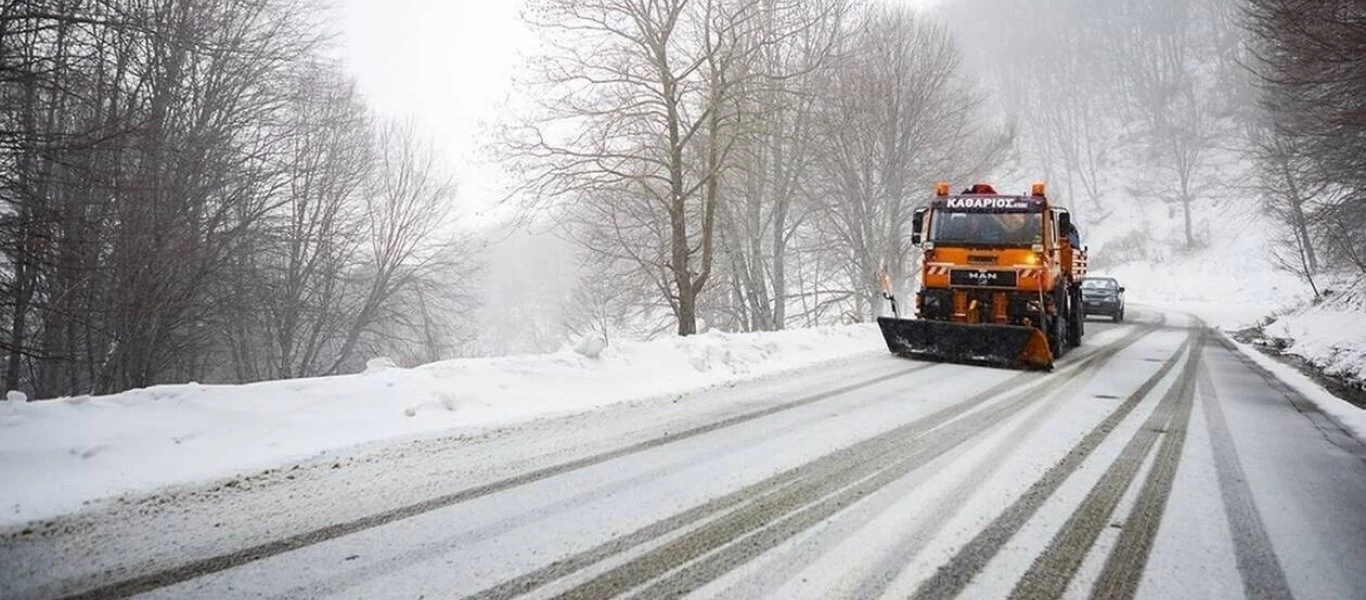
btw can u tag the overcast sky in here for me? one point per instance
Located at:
(445, 63)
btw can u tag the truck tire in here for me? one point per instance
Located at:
(1077, 322)
(1058, 337)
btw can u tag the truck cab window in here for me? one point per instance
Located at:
(987, 229)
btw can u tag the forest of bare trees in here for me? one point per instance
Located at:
(752, 165)
(1310, 59)
(744, 165)
(192, 191)
(1142, 101)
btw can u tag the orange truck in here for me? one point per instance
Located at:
(1000, 281)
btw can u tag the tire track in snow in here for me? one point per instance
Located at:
(1256, 558)
(214, 564)
(881, 576)
(874, 584)
(767, 537)
(1053, 570)
(950, 579)
(1332, 430)
(806, 479)
(1123, 569)
(796, 486)
(849, 479)
(501, 526)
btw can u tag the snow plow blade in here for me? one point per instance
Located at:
(1011, 346)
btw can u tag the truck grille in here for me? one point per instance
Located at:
(983, 278)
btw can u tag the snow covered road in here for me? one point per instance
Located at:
(1155, 462)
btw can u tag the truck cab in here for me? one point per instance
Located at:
(1000, 259)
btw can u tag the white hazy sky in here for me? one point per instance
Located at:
(447, 64)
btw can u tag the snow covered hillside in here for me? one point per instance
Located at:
(1219, 289)
(142, 439)
(1329, 335)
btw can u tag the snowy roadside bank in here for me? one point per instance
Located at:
(1328, 335)
(57, 454)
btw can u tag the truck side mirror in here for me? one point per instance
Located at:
(917, 224)
(1121, 289)
(1064, 224)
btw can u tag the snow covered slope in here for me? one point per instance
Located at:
(1221, 290)
(1329, 334)
(56, 454)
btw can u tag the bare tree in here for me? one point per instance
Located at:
(406, 212)
(1309, 57)
(1172, 76)
(638, 126)
(287, 310)
(142, 169)
(899, 117)
(770, 189)
(180, 182)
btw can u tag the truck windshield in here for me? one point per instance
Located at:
(987, 229)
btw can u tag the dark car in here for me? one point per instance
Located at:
(1103, 296)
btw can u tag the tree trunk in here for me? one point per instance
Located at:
(1300, 222)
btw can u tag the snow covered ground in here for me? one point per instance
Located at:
(867, 477)
(56, 455)
(1223, 290)
(1330, 334)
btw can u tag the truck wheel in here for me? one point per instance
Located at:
(1059, 335)
(1077, 320)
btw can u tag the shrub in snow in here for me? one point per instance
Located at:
(591, 346)
(16, 396)
(379, 364)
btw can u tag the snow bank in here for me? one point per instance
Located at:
(56, 454)
(1330, 335)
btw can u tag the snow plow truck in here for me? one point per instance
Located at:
(999, 281)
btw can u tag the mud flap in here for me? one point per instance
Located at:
(1011, 346)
